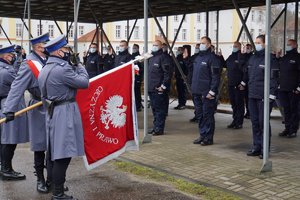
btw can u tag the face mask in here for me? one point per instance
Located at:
(155, 48)
(121, 49)
(258, 47)
(66, 56)
(134, 50)
(92, 50)
(288, 48)
(248, 51)
(203, 47)
(197, 50)
(234, 49)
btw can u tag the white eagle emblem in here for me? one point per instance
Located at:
(114, 113)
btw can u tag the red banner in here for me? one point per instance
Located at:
(108, 115)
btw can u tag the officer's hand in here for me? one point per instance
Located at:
(74, 59)
(209, 96)
(159, 89)
(241, 87)
(10, 116)
(296, 92)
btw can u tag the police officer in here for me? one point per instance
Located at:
(248, 51)
(180, 85)
(13, 132)
(289, 92)
(19, 57)
(123, 56)
(108, 59)
(93, 61)
(205, 84)
(138, 78)
(235, 70)
(159, 83)
(27, 80)
(255, 76)
(58, 82)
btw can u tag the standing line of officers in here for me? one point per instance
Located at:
(52, 73)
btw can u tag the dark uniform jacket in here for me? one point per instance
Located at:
(122, 58)
(183, 66)
(159, 71)
(255, 75)
(290, 71)
(108, 62)
(206, 73)
(235, 64)
(94, 64)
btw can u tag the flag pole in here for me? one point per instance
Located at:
(24, 110)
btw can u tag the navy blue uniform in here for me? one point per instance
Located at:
(122, 58)
(180, 85)
(205, 80)
(289, 82)
(255, 79)
(159, 73)
(94, 64)
(235, 70)
(108, 62)
(138, 83)
(247, 115)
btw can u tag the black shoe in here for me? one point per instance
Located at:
(253, 153)
(157, 133)
(151, 131)
(284, 133)
(176, 108)
(58, 194)
(206, 143)
(232, 125)
(12, 175)
(292, 135)
(180, 107)
(194, 120)
(41, 187)
(238, 127)
(198, 141)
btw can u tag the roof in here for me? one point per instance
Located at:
(116, 10)
(88, 37)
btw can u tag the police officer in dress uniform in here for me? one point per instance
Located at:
(27, 80)
(93, 61)
(12, 132)
(235, 71)
(255, 80)
(138, 78)
(289, 90)
(159, 73)
(108, 59)
(205, 84)
(124, 55)
(248, 51)
(58, 82)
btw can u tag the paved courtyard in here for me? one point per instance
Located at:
(225, 164)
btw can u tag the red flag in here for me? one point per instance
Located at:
(108, 115)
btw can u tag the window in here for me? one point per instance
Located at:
(71, 32)
(244, 13)
(198, 34)
(118, 31)
(175, 32)
(252, 16)
(126, 35)
(136, 32)
(81, 30)
(160, 18)
(204, 18)
(244, 36)
(19, 30)
(260, 16)
(51, 30)
(176, 18)
(198, 17)
(159, 33)
(252, 33)
(184, 34)
(260, 31)
(117, 49)
(39, 29)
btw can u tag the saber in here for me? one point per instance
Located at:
(24, 110)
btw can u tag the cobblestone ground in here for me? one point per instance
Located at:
(224, 164)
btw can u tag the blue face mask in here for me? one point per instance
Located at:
(258, 47)
(234, 49)
(155, 48)
(288, 48)
(203, 47)
(197, 50)
(121, 49)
